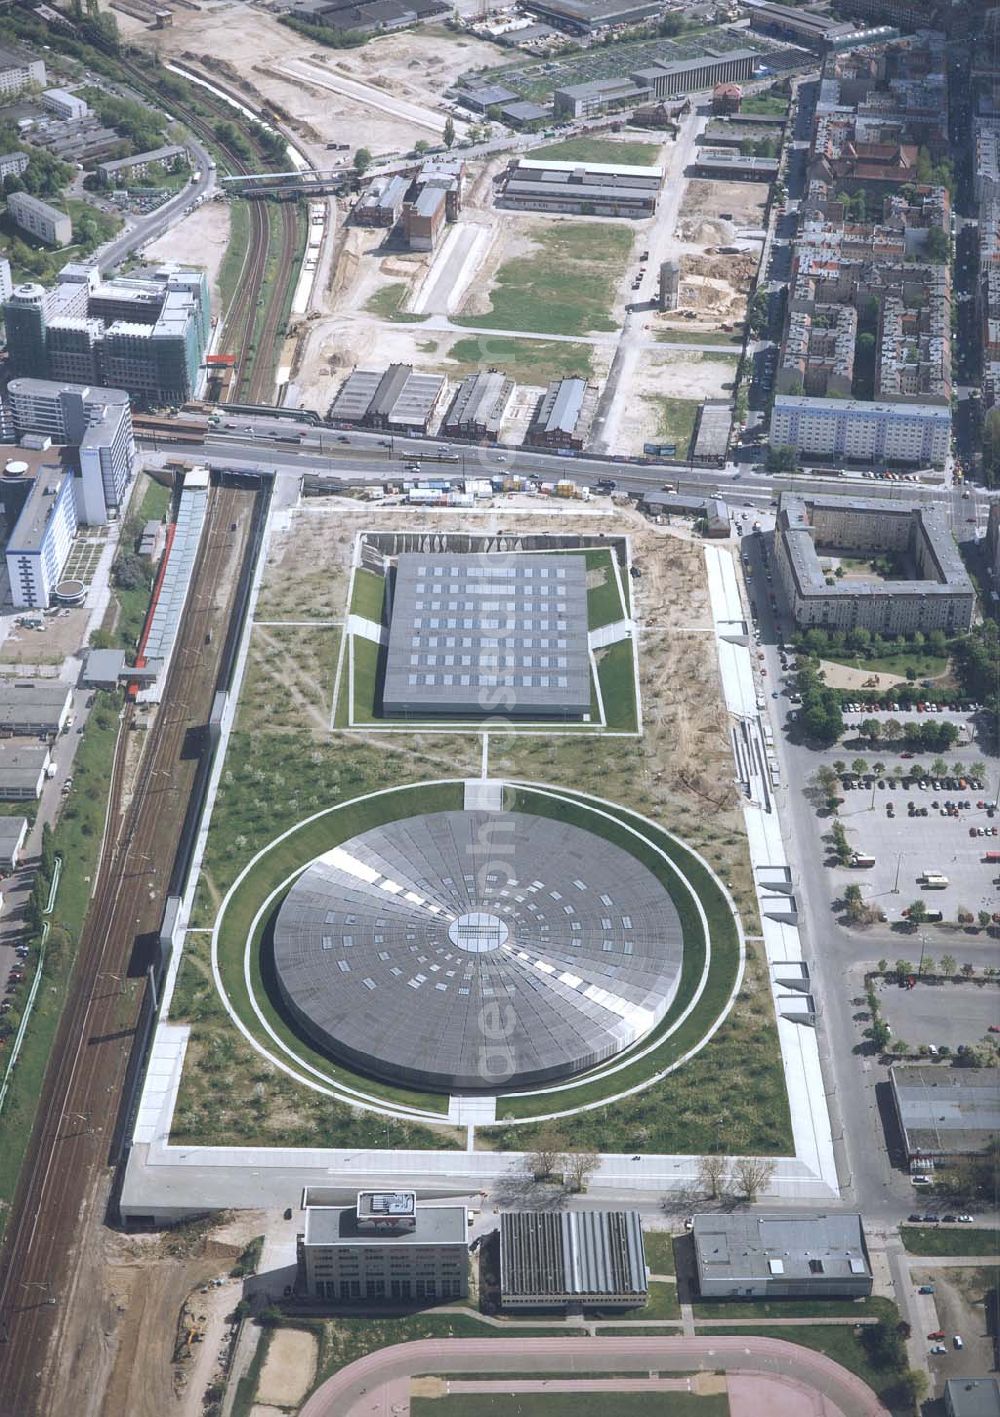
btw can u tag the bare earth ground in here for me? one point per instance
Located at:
(289, 1368)
(202, 236)
(843, 676)
(415, 66)
(62, 635)
(670, 374)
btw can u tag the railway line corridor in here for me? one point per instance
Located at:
(55, 1354)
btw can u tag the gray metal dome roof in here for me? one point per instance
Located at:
(470, 951)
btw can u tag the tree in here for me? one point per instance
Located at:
(782, 458)
(421, 146)
(752, 1174)
(937, 247)
(903, 969)
(913, 1385)
(926, 965)
(841, 846)
(882, 966)
(991, 447)
(859, 767)
(916, 914)
(948, 966)
(547, 1154)
(939, 768)
(579, 1166)
(449, 131)
(854, 905)
(968, 970)
(362, 161)
(713, 1173)
(870, 728)
(131, 571)
(984, 919)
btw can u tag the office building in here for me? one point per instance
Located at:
(938, 596)
(795, 1256)
(479, 406)
(22, 772)
(554, 1259)
(396, 398)
(40, 542)
(945, 1113)
(48, 223)
(972, 1397)
(145, 335)
(65, 104)
(13, 831)
(471, 632)
(563, 416)
(12, 165)
(596, 189)
(126, 169)
(18, 69)
(98, 422)
(655, 82)
(385, 1249)
(6, 285)
(33, 707)
(852, 430)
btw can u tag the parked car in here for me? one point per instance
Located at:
(957, 1341)
(939, 1348)
(937, 1334)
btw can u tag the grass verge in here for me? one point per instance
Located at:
(76, 839)
(659, 1247)
(566, 285)
(232, 262)
(616, 673)
(368, 599)
(631, 154)
(388, 301)
(675, 420)
(839, 1342)
(943, 1240)
(696, 337)
(604, 601)
(530, 361)
(873, 1307)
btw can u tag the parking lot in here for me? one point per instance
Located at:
(942, 1015)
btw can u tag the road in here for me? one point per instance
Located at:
(63, 1188)
(382, 101)
(140, 230)
(354, 1390)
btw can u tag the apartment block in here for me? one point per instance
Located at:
(40, 219)
(65, 104)
(385, 1249)
(18, 69)
(40, 542)
(811, 533)
(856, 431)
(13, 164)
(138, 165)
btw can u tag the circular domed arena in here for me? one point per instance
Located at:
(465, 951)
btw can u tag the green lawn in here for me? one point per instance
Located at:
(133, 605)
(232, 262)
(604, 602)
(388, 302)
(571, 1404)
(616, 673)
(944, 1240)
(76, 839)
(795, 1309)
(837, 1341)
(566, 286)
(632, 154)
(368, 599)
(768, 103)
(659, 1247)
(675, 420)
(697, 337)
(367, 679)
(530, 361)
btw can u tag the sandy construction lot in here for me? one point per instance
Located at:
(399, 73)
(693, 376)
(704, 202)
(202, 236)
(289, 1368)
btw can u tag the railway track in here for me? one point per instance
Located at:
(66, 1176)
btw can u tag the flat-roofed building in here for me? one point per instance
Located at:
(40, 543)
(395, 398)
(819, 33)
(19, 68)
(563, 416)
(385, 1249)
(13, 831)
(857, 431)
(732, 165)
(940, 595)
(12, 165)
(578, 1257)
(972, 1397)
(138, 165)
(48, 223)
(65, 104)
(424, 217)
(486, 96)
(945, 1113)
(600, 189)
(382, 202)
(489, 633)
(33, 707)
(479, 406)
(746, 1255)
(586, 16)
(653, 83)
(522, 114)
(22, 771)
(711, 439)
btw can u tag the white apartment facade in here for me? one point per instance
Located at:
(40, 542)
(31, 214)
(65, 104)
(18, 69)
(858, 431)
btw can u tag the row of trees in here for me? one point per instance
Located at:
(868, 644)
(932, 735)
(820, 716)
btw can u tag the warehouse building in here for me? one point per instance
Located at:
(819, 33)
(485, 97)
(578, 1257)
(563, 416)
(857, 431)
(48, 223)
(711, 439)
(945, 1113)
(385, 1249)
(593, 189)
(940, 596)
(19, 68)
(396, 398)
(588, 16)
(799, 1256)
(22, 771)
(382, 203)
(13, 831)
(731, 165)
(424, 218)
(35, 708)
(479, 406)
(478, 634)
